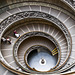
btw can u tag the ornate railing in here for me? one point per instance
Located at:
(9, 20)
(35, 14)
(71, 3)
(32, 34)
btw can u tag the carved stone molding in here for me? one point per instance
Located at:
(71, 3)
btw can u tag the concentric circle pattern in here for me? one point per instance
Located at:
(33, 38)
(37, 38)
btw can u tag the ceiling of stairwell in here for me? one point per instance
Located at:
(43, 26)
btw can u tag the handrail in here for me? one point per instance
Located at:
(30, 34)
(69, 3)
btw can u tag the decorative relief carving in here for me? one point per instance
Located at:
(71, 2)
(22, 38)
(34, 14)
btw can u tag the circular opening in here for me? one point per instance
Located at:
(41, 59)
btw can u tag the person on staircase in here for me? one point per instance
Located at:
(3, 39)
(8, 40)
(16, 34)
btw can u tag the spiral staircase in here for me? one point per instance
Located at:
(39, 23)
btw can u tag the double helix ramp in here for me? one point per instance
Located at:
(7, 50)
